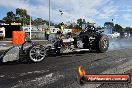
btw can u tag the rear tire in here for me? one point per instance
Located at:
(102, 44)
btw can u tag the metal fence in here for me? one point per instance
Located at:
(36, 35)
(39, 35)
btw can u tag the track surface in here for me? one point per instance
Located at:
(61, 71)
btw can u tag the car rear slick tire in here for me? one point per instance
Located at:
(102, 44)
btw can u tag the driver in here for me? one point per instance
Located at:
(90, 27)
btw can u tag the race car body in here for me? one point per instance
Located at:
(88, 40)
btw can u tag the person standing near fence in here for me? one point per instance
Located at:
(62, 28)
(47, 33)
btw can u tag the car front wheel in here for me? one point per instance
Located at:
(37, 53)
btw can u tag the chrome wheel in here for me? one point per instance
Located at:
(37, 53)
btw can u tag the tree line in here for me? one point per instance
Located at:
(117, 27)
(21, 16)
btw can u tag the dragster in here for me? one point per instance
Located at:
(88, 40)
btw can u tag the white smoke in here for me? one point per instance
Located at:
(120, 43)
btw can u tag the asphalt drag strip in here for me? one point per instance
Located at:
(61, 71)
(65, 76)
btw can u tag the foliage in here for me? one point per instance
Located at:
(80, 22)
(10, 17)
(118, 28)
(21, 16)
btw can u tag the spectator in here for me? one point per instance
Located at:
(62, 28)
(47, 32)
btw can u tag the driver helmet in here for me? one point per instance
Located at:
(91, 26)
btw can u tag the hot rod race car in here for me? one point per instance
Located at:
(87, 40)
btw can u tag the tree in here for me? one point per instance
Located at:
(118, 28)
(22, 15)
(128, 29)
(10, 17)
(84, 21)
(38, 21)
(79, 22)
(99, 28)
(27, 19)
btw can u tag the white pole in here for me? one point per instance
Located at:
(49, 14)
(30, 27)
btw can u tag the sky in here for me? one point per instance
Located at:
(97, 11)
